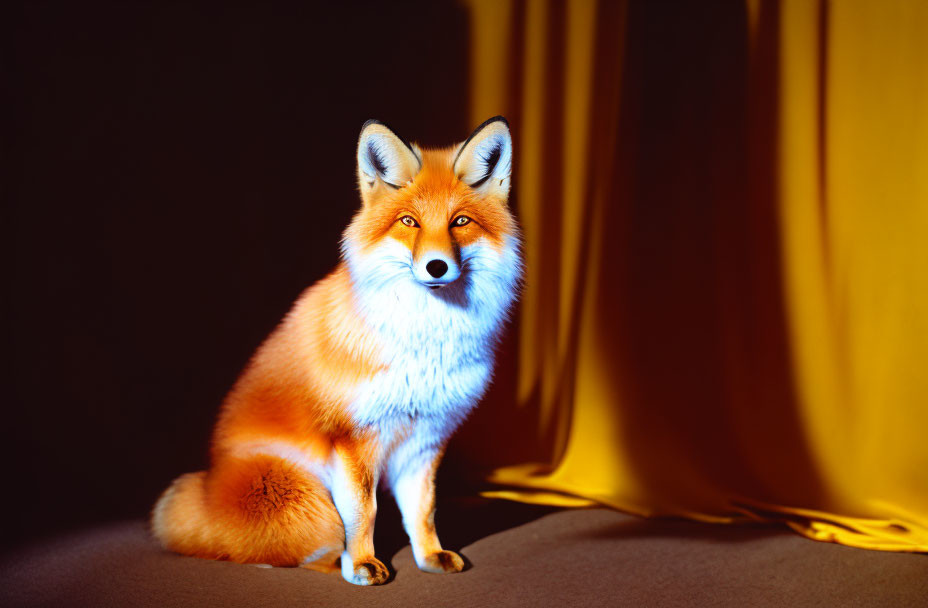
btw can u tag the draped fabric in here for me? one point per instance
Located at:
(725, 213)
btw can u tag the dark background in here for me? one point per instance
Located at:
(174, 176)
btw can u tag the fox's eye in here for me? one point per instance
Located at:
(461, 220)
(408, 221)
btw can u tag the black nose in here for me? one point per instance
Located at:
(436, 268)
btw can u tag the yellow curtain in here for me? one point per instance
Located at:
(725, 211)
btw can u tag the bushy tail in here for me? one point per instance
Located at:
(259, 509)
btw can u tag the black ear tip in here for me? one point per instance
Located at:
(490, 121)
(371, 121)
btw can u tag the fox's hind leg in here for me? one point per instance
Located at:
(324, 559)
(272, 511)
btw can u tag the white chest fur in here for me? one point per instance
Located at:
(437, 345)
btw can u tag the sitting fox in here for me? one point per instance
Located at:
(368, 375)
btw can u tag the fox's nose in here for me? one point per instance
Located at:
(437, 268)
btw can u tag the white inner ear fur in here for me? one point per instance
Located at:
(486, 160)
(381, 154)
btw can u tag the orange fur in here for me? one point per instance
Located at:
(262, 510)
(260, 502)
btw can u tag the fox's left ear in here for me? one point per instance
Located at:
(484, 161)
(385, 160)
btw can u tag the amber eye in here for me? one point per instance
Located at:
(461, 220)
(408, 221)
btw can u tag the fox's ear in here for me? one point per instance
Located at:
(385, 160)
(484, 161)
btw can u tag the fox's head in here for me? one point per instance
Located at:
(436, 221)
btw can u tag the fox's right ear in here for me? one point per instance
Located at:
(385, 161)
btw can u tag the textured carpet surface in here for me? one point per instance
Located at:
(530, 557)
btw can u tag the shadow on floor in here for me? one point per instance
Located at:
(460, 521)
(684, 529)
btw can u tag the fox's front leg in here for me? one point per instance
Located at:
(412, 477)
(353, 485)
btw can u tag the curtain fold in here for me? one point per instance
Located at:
(725, 211)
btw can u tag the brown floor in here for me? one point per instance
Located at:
(521, 556)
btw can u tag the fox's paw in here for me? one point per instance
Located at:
(442, 561)
(367, 571)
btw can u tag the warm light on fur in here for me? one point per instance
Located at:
(368, 375)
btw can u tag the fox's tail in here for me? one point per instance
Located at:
(179, 520)
(259, 509)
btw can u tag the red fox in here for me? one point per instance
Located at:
(368, 375)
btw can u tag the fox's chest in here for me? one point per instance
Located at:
(436, 363)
